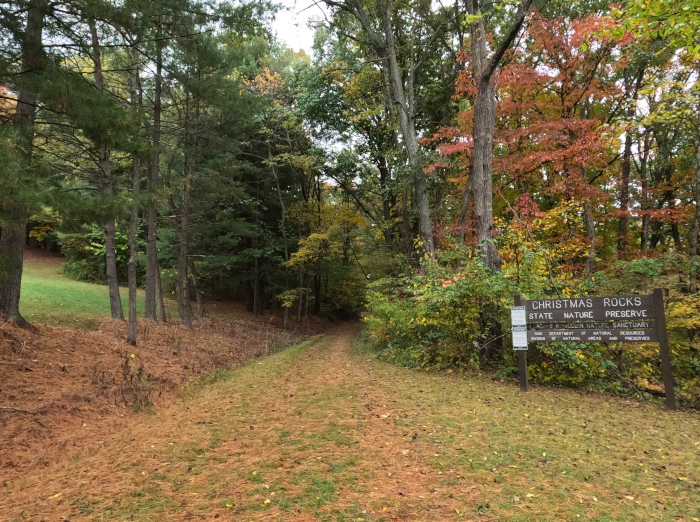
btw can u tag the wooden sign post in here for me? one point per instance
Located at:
(635, 318)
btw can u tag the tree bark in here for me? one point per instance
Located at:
(105, 173)
(317, 293)
(133, 255)
(13, 237)
(695, 227)
(624, 197)
(591, 264)
(386, 202)
(132, 331)
(257, 288)
(151, 240)
(182, 265)
(160, 303)
(283, 229)
(644, 240)
(484, 125)
(406, 216)
(464, 211)
(197, 292)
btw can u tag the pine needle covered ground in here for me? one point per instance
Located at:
(323, 431)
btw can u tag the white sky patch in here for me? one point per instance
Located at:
(292, 23)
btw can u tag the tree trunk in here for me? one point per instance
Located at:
(385, 48)
(182, 268)
(13, 237)
(257, 288)
(644, 240)
(160, 302)
(301, 297)
(105, 173)
(591, 264)
(464, 211)
(133, 255)
(317, 293)
(283, 229)
(484, 125)
(695, 228)
(408, 237)
(132, 332)
(386, 202)
(115, 299)
(151, 240)
(197, 292)
(624, 197)
(410, 136)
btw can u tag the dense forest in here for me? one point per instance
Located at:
(425, 163)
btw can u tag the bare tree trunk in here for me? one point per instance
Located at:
(115, 300)
(283, 229)
(317, 293)
(257, 294)
(408, 235)
(484, 125)
(133, 255)
(464, 211)
(591, 263)
(160, 308)
(644, 240)
(484, 120)
(695, 228)
(132, 331)
(197, 292)
(624, 197)
(301, 297)
(386, 202)
(182, 268)
(13, 237)
(151, 240)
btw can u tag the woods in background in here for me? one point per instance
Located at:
(542, 147)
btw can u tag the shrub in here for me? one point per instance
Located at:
(456, 314)
(85, 255)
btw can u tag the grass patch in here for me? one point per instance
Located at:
(52, 298)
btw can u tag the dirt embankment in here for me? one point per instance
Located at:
(63, 390)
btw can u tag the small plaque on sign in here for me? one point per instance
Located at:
(520, 338)
(518, 327)
(517, 316)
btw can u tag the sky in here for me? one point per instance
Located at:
(291, 24)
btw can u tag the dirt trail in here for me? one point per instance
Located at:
(323, 431)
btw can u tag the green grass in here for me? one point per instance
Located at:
(50, 297)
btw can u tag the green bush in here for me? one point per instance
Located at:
(445, 316)
(457, 315)
(85, 255)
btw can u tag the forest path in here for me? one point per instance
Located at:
(324, 431)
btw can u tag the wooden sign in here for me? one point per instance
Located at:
(636, 307)
(592, 336)
(625, 319)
